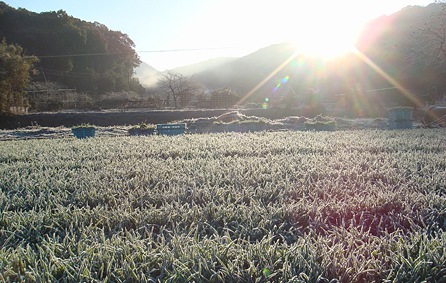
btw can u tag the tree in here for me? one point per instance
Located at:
(223, 98)
(178, 87)
(431, 37)
(88, 57)
(405, 50)
(15, 70)
(427, 50)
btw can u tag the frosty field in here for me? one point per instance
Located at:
(344, 206)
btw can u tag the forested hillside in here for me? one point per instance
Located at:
(77, 54)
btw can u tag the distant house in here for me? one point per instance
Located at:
(19, 109)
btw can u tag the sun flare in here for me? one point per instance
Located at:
(326, 33)
(326, 48)
(326, 42)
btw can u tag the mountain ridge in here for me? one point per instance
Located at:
(387, 41)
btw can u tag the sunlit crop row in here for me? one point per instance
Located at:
(353, 206)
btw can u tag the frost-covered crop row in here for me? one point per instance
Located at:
(356, 206)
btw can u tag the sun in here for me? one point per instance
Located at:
(326, 46)
(327, 42)
(327, 35)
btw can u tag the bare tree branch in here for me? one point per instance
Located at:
(178, 87)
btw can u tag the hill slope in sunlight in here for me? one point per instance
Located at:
(199, 67)
(245, 73)
(401, 50)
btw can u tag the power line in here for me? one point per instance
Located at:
(140, 51)
(381, 89)
(73, 55)
(184, 49)
(64, 72)
(51, 90)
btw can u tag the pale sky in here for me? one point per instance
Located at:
(223, 27)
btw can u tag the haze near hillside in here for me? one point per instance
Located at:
(147, 75)
(203, 66)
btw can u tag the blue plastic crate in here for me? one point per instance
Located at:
(82, 133)
(401, 118)
(170, 129)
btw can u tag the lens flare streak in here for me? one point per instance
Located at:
(388, 78)
(282, 82)
(273, 73)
